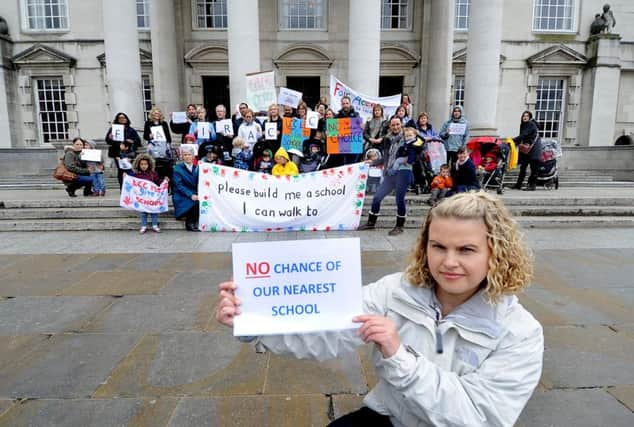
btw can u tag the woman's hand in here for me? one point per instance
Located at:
(381, 331)
(228, 304)
(195, 197)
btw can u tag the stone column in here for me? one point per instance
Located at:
(123, 66)
(166, 61)
(243, 34)
(482, 74)
(7, 94)
(364, 46)
(606, 76)
(438, 74)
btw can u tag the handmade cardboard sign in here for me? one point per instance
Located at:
(344, 135)
(261, 90)
(297, 286)
(143, 196)
(289, 97)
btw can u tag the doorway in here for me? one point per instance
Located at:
(216, 91)
(308, 86)
(390, 85)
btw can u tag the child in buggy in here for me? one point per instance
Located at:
(547, 171)
(491, 157)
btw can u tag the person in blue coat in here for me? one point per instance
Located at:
(185, 190)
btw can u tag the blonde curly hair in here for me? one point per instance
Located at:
(511, 262)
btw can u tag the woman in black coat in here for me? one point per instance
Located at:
(529, 135)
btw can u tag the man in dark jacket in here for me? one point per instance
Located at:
(347, 110)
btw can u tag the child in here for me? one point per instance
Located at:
(375, 161)
(143, 168)
(213, 155)
(283, 165)
(96, 172)
(241, 153)
(124, 160)
(463, 173)
(406, 154)
(312, 159)
(265, 163)
(452, 345)
(440, 186)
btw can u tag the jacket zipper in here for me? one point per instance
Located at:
(439, 346)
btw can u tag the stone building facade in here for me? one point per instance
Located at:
(68, 65)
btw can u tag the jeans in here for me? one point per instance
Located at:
(400, 182)
(153, 216)
(437, 194)
(98, 182)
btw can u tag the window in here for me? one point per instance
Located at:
(395, 15)
(44, 15)
(147, 95)
(554, 15)
(143, 14)
(458, 91)
(549, 106)
(51, 108)
(211, 14)
(302, 14)
(461, 22)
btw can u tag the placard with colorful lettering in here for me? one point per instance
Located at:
(234, 200)
(297, 286)
(143, 196)
(294, 133)
(344, 135)
(260, 90)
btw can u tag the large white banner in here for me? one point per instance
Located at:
(297, 286)
(261, 90)
(239, 200)
(143, 196)
(362, 103)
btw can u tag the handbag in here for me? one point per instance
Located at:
(525, 148)
(63, 174)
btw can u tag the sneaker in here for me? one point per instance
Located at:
(143, 230)
(156, 229)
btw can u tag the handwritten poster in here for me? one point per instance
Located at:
(261, 90)
(457, 128)
(362, 104)
(344, 135)
(297, 286)
(289, 97)
(294, 133)
(245, 201)
(143, 196)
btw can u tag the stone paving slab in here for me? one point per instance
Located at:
(624, 394)
(288, 375)
(578, 408)
(36, 315)
(343, 404)
(592, 356)
(72, 366)
(226, 367)
(155, 314)
(194, 283)
(15, 348)
(91, 413)
(119, 283)
(261, 411)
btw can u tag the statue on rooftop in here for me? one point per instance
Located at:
(608, 17)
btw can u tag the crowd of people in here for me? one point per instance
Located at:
(395, 148)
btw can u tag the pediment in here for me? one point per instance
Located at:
(557, 55)
(208, 54)
(145, 57)
(303, 55)
(398, 55)
(460, 56)
(42, 55)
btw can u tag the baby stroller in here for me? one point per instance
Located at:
(548, 172)
(491, 156)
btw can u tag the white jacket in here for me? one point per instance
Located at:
(491, 358)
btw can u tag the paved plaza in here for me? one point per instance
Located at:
(117, 329)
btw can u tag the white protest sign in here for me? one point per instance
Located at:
(179, 117)
(457, 128)
(159, 133)
(312, 119)
(124, 163)
(297, 286)
(202, 130)
(289, 97)
(237, 200)
(261, 90)
(118, 133)
(362, 104)
(143, 196)
(88, 155)
(224, 127)
(270, 131)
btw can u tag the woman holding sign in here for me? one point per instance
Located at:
(452, 344)
(454, 133)
(159, 142)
